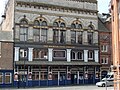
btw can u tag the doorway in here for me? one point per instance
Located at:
(74, 79)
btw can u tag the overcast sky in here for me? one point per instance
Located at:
(102, 6)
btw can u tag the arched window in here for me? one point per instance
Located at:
(62, 25)
(23, 22)
(90, 27)
(90, 37)
(76, 36)
(73, 25)
(55, 24)
(79, 26)
(23, 30)
(40, 33)
(59, 35)
(44, 23)
(36, 23)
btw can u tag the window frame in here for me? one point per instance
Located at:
(104, 48)
(23, 33)
(90, 53)
(2, 77)
(104, 60)
(10, 78)
(24, 53)
(59, 57)
(37, 54)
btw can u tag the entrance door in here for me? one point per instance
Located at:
(73, 79)
(22, 79)
(62, 78)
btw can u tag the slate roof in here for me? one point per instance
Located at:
(101, 26)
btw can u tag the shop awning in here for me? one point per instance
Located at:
(55, 63)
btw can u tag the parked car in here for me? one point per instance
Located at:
(107, 82)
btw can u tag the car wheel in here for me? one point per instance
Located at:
(103, 85)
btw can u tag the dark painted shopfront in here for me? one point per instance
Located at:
(56, 75)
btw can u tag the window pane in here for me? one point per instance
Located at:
(79, 26)
(90, 55)
(55, 24)
(36, 23)
(44, 76)
(44, 23)
(79, 55)
(62, 25)
(35, 75)
(79, 37)
(1, 78)
(44, 35)
(23, 34)
(23, 53)
(55, 36)
(23, 22)
(73, 37)
(73, 55)
(73, 26)
(7, 78)
(41, 54)
(90, 38)
(62, 36)
(59, 54)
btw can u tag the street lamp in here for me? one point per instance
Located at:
(24, 78)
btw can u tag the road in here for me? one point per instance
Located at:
(89, 87)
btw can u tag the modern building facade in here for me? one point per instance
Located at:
(55, 42)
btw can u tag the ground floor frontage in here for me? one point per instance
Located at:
(6, 78)
(29, 74)
(55, 75)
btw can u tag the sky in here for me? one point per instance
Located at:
(102, 6)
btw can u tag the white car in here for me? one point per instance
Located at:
(103, 83)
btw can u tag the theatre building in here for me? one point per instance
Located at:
(55, 42)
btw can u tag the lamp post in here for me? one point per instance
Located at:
(24, 78)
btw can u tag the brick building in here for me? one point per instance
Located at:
(105, 44)
(55, 43)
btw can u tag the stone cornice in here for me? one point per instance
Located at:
(91, 1)
(56, 8)
(55, 14)
(39, 4)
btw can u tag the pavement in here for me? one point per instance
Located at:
(85, 87)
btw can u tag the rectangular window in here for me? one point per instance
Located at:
(8, 77)
(55, 36)
(90, 37)
(40, 53)
(73, 37)
(62, 36)
(104, 60)
(23, 33)
(79, 37)
(80, 55)
(23, 53)
(77, 55)
(90, 55)
(44, 35)
(104, 48)
(36, 35)
(35, 76)
(1, 78)
(44, 76)
(59, 54)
